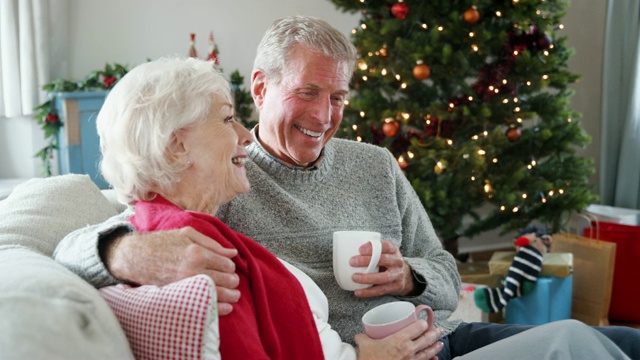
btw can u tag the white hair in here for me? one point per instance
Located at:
(312, 33)
(140, 115)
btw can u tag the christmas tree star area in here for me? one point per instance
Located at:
(472, 99)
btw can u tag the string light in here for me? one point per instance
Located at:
(498, 13)
(354, 127)
(383, 72)
(410, 154)
(359, 139)
(440, 28)
(363, 26)
(406, 116)
(425, 26)
(474, 47)
(472, 34)
(362, 114)
(365, 77)
(403, 85)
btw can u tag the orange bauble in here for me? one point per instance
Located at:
(421, 71)
(513, 134)
(471, 15)
(390, 128)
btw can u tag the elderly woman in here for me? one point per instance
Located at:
(172, 148)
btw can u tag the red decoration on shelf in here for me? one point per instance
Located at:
(213, 50)
(192, 46)
(400, 10)
(390, 128)
(513, 134)
(421, 71)
(471, 15)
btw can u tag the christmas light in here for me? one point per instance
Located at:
(362, 114)
(474, 47)
(363, 66)
(495, 160)
(524, 196)
(398, 77)
(346, 102)
(383, 72)
(406, 116)
(354, 127)
(545, 77)
(410, 154)
(365, 77)
(482, 152)
(470, 98)
(550, 192)
(440, 28)
(519, 120)
(473, 178)
(363, 26)
(503, 208)
(403, 85)
(424, 26)
(498, 13)
(359, 139)
(471, 34)
(515, 209)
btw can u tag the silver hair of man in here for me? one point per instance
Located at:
(312, 33)
(140, 115)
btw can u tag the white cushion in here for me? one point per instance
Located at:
(40, 212)
(47, 312)
(175, 321)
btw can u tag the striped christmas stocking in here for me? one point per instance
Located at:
(520, 280)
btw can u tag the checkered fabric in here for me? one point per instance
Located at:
(176, 321)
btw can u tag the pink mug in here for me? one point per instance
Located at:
(386, 319)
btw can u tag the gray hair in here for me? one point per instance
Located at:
(140, 115)
(315, 34)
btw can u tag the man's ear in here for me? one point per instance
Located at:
(258, 87)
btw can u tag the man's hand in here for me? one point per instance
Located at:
(163, 257)
(412, 342)
(394, 277)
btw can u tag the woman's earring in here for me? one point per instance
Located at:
(189, 162)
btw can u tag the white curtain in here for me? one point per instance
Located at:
(620, 151)
(24, 55)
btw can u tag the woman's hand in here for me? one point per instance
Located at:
(412, 342)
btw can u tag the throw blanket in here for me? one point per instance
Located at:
(272, 320)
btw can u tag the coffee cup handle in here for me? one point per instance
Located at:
(425, 312)
(376, 251)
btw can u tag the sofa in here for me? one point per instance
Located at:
(48, 312)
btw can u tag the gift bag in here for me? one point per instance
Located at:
(593, 266)
(625, 293)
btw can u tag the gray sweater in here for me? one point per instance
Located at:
(294, 212)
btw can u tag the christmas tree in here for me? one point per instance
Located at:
(472, 98)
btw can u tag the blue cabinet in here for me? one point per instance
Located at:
(78, 143)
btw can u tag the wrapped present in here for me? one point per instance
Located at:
(553, 264)
(478, 273)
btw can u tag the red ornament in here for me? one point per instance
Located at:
(471, 15)
(390, 128)
(513, 134)
(52, 118)
(421, 71)
(400, 10)
(109, 80)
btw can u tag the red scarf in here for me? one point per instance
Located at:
(272, 319)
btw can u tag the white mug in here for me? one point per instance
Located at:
(346, 244)
(389, 318)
